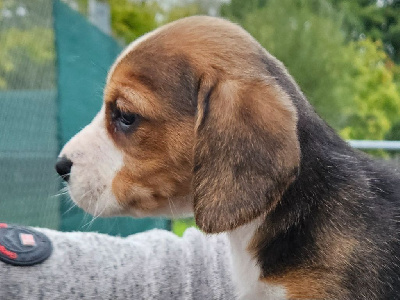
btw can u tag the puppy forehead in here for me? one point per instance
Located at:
(191, 35)
(164, 67)
(153, 81)
(199, 23)
(153, 92)
(129, 49)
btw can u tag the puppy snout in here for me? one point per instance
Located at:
(63, 167)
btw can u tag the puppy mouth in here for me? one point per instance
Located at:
(87, 192)
(97, 202)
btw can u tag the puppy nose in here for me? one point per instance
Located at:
(63, 167)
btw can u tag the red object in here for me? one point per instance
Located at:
(8, 253)
(3, 225)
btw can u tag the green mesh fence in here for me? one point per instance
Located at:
(39, 113)
(28, 110)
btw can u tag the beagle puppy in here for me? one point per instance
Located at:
(199, 118)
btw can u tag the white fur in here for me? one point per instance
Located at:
(246, 272)
(96, 160)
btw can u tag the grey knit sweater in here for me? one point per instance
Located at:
(150, 265)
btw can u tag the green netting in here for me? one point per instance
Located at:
(28, 123)
(39, 114)
(27, 156)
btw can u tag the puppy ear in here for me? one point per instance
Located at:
(246, 151)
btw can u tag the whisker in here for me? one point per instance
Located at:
(69, 209)
(61, 192)
(171, 207)
(94, 217)
(59, 195)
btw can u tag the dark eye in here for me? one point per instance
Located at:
(127, 118)
(124, 120)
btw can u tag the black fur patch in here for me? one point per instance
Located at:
(341, 192)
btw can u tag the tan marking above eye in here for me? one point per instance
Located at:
(140, 100)
(121, 105)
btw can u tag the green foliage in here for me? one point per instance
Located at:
(27, 45)
(25, 56)
(180, 225)
(394, 133)
(130, 20)
(182, 11)
(379, 22)
(238, 9)
(376, 104)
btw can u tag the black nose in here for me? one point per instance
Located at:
(63, 167)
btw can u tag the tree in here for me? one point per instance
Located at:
(130, 20)
(181, 11)
(376, 105)
(378, 20)
(394, 133)
(237, 9)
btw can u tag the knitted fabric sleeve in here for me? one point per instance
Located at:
(152, 265)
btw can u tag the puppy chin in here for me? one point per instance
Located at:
(103, 205)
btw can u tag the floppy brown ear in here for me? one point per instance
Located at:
(246, 151)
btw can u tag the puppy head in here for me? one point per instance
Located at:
(191, 121)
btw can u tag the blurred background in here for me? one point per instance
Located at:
(54, 57)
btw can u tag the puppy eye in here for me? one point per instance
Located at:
(123, 120)
(127, 118)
